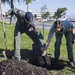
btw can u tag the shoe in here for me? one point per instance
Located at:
(55, 60)
(72, 64)
(15, 58)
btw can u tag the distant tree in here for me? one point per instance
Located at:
(27, 3)
(10, 2)
(45, 15)
(60, 12)
(54, 16)
(19, 1)
(43, 11)
(44, 8)
(35, 15)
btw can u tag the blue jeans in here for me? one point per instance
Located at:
(69, 45)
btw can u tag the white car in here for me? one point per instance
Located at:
(43, 20)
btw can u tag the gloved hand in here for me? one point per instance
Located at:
(9, 12)
(43, 53)
(36, 27)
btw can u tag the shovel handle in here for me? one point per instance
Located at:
(5, 39)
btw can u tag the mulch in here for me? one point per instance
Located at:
(15, 67)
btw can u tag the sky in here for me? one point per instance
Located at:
(52, 6)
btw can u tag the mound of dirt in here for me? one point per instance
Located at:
(14, 67)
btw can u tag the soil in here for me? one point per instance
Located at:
(15, 67)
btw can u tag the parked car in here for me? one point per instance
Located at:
(72, 20)
(43, 20)
(37, 19)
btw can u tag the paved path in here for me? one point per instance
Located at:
(43, 25)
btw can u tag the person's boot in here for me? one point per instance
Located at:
(72, 64)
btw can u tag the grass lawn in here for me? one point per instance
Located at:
(26, 48)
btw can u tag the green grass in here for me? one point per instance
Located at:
(26, 48)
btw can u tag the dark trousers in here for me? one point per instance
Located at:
(35, 35)
(69, 45)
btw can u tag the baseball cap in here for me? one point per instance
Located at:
(29, 17)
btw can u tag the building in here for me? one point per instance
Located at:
(39, 14)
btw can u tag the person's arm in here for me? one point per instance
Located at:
(31, 24)
(46, 46)
(9, 12)
(17, 12)
(51, 32)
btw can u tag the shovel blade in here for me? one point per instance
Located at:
(7, 54)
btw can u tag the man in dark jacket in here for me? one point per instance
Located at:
(25, 24)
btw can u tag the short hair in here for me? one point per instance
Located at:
(57, 24)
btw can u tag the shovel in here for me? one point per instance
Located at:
(6, 52)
